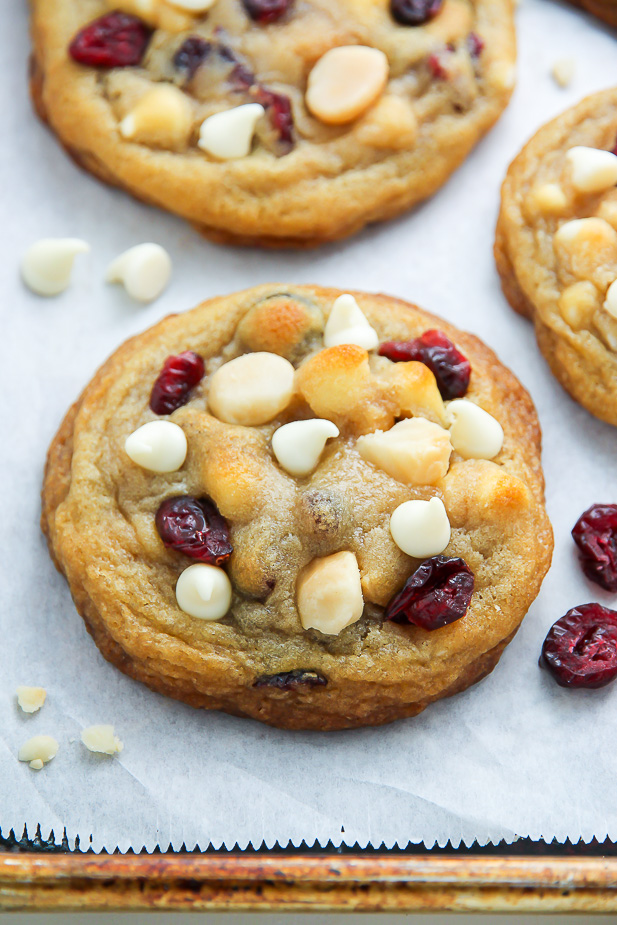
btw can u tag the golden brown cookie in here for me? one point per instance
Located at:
(264, 572)
(556, 247)
(357, 110)
(603, 9)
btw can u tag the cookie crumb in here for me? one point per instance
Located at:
(31, 699)
(101, 739)
(563, 71)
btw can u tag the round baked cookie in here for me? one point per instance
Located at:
(357, 109)
(280, 571)
(603, 9)
(556, 247)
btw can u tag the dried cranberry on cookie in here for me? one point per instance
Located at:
(275, 122)
(305, 531)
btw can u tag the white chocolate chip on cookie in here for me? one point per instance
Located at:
(252, 389)
(229, 135)
(38, 751)
(475, 433)
(347, 324)
(31, 699)
(159, 446)
(588, 248)
(577, 303)
(610, 303)
(101, 739)
(144, 270)
(591, 170)
(204, 592)
(345, 82)
(46, 266)
(329, 593)
(162, 118)
(193, 6)
(414, 451)
(421, 528)
(299, 445)
(548, 199)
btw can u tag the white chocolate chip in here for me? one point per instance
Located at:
(31, 699)
(46, 266)
(415, 451)
(101, 739)
(163, 117)
(39, 750)
(252, 389)
(204, 591)
(144, 271)
(475, 433)
(591, 170)
(421, 528)
(299, 445)
(345, 82)
(347, 324)
(563, 71)
(610, 303)
(159, 446)
(329, 594)
(229, 135)
(193, 6)
(577, 303)
(548, 198)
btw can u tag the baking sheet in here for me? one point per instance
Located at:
(514, 756)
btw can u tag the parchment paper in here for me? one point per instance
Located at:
(514, 756)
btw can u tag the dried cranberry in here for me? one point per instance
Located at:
(279, 112)
(580, 649)
(475, 45)
(292, 680)
(115, 40)
(191, 55)
(174, 383)
(195, 528)
(451, 369)
(414, 12)
(438, 593)
(595, 534)
(266, 11)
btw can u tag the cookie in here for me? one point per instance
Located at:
(273, 122)
(603, 9)
(315, 509)
(556, 248)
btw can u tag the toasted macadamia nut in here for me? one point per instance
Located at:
(101, 739)
(475, 433)
(31, 699)
(329, 593)
(347, 324)
(279, 325)
(252, 389)
(415, 390)
(415, 451)
(162, 118)
(577, 304)
(38, 751)
(587, 247)
(159, 446)
(477, 492)
(204, 591)
(421, 528)
(229, 135)
(548, 199)
(143, 270)
(299, 445)
(591, 170)
(345, 82)
(46, 266)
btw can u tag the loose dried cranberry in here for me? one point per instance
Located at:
(191, 55)
(173, 387)
(580, 649)
(195, 528)
(115, 40)
(451, 369)
(414, 12)
(595, 534)
(292, 680)
(438, 593)
(475, 45)
(266, 11)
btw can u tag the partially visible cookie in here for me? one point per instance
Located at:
(603, 9)
(556, 247)
(275, 122)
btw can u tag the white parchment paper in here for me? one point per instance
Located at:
(514, 756)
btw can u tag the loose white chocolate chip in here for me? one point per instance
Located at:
(144, 271)
(329, 594)
(163, 117)
(31, 699)
(345, 82)
(193, 6)
(475, 433)
(204, 591)
(46, 266)
(299, 445)
(591, 170)
(159, 446)
(563, 71)
(548, 198)
(414, 451)
(610, 303)
(101, 739)
(229, 135)
(347, 324)
(577, 304)
(421, 528)
(252, 389)
(38, 751)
